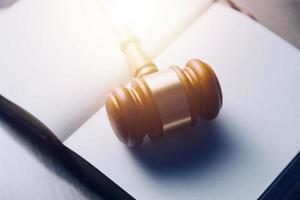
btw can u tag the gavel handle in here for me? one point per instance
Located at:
(141, 64)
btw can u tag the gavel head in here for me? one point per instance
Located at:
(160, 102)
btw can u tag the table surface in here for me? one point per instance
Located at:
(280, 16)
(37, 176)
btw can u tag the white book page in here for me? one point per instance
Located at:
(157, 22)
(59, 58)
(255, 136)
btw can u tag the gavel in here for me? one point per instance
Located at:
(156, 103)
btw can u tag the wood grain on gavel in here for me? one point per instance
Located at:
(157, 102)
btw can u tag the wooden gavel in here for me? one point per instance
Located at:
(158, 102)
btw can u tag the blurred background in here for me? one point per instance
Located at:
(280, 16)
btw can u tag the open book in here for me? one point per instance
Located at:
(67, 58)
